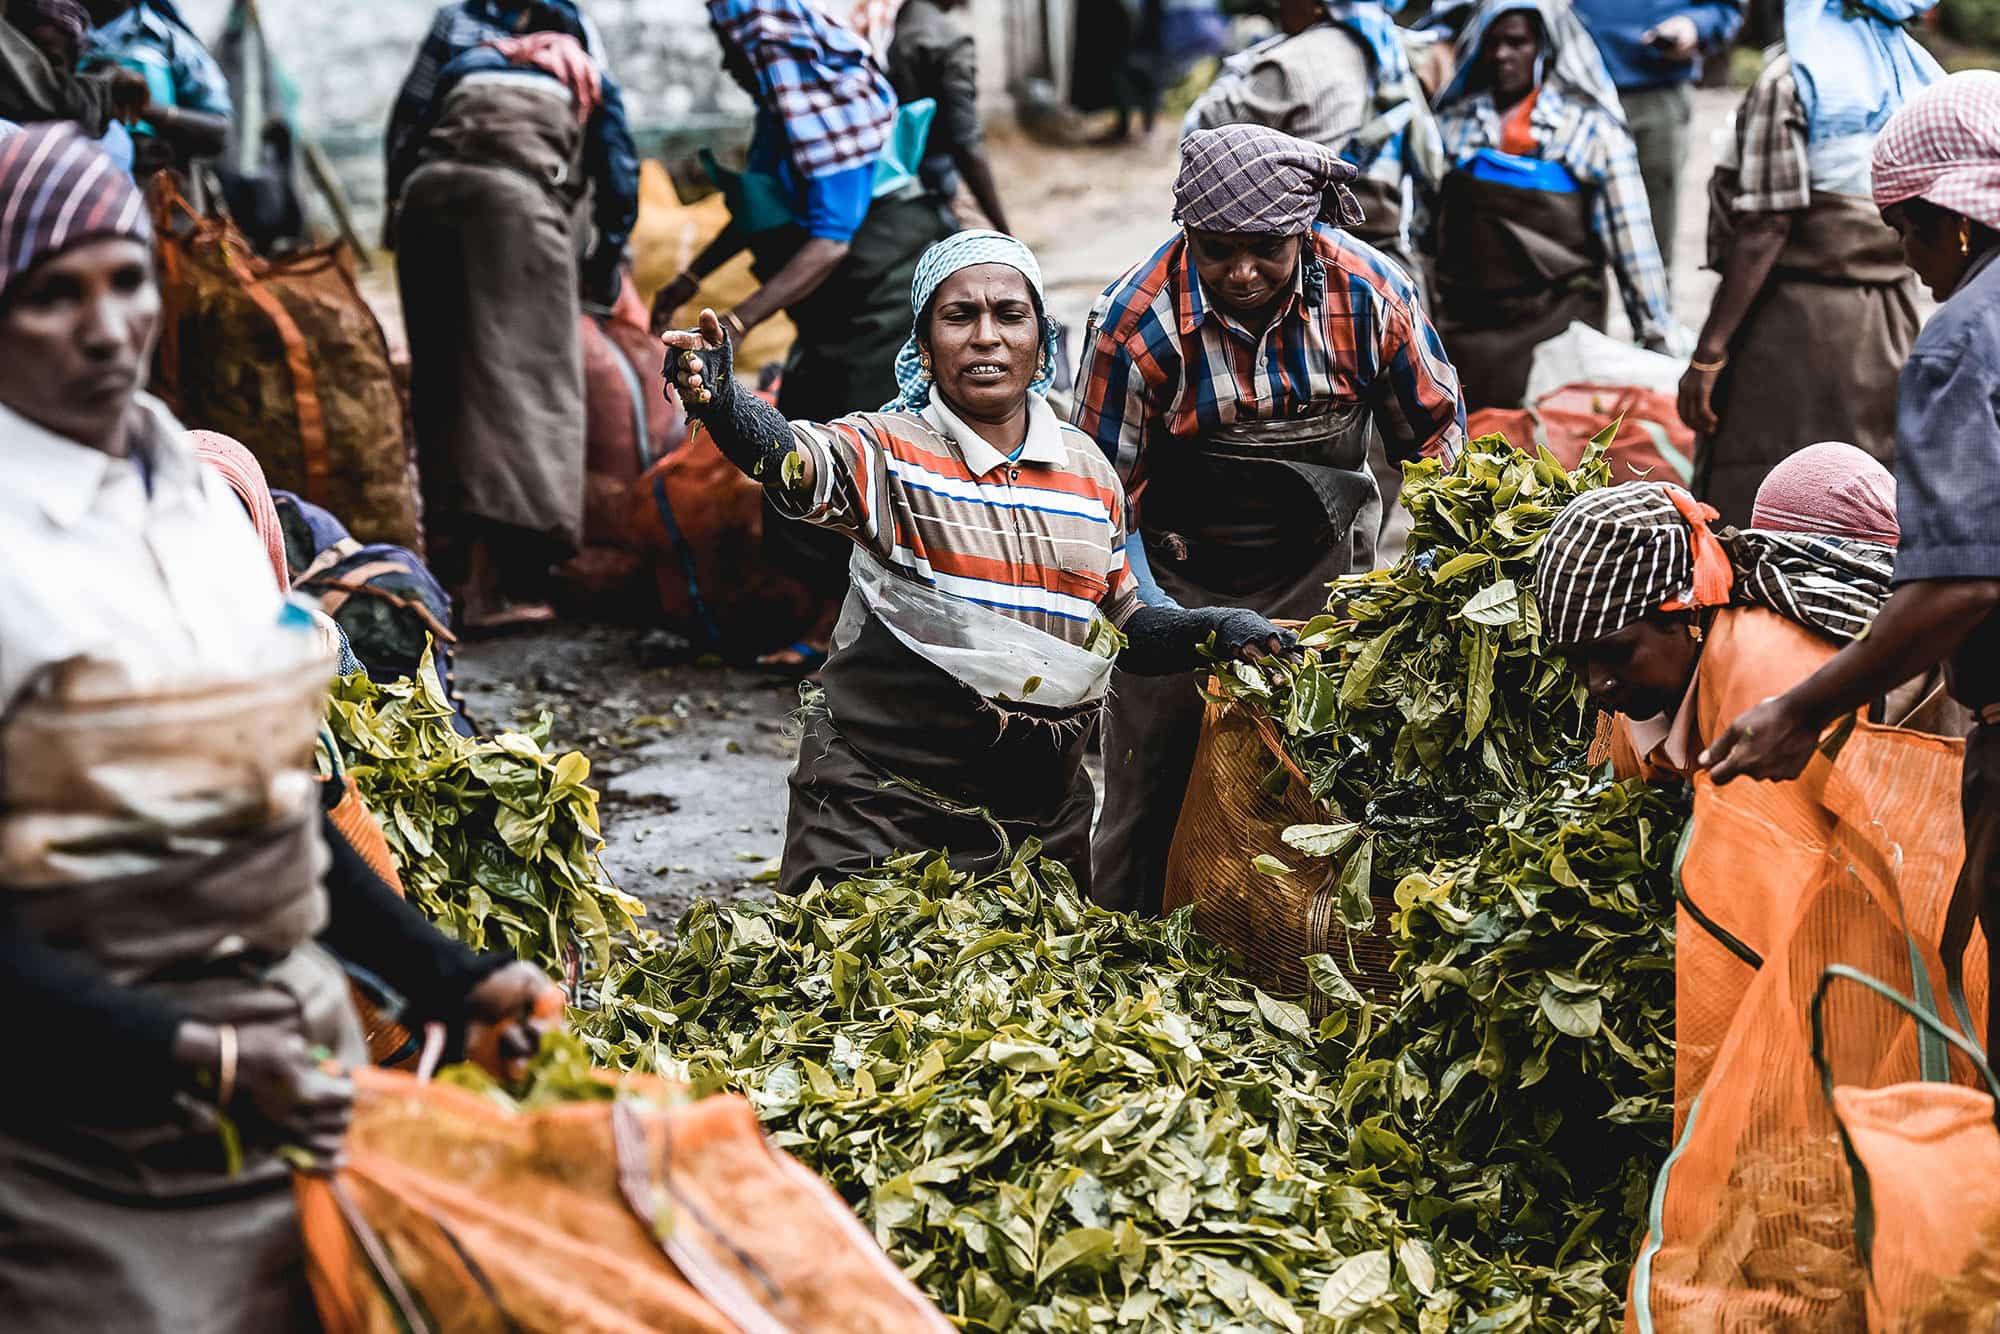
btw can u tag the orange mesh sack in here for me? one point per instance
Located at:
(1925, 1158)
(701, 523)
(646, 1213)
(1244, 793)
(1751, 1224)
(1652, 443)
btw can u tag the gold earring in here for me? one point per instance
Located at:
(924, 360)
(1964, 241)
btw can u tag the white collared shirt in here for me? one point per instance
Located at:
(170, 586)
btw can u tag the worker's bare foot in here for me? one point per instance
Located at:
(484, 609)
(504, 618)
(801, 658)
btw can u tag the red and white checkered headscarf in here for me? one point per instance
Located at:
(1943, 145)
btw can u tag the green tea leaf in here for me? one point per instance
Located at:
(1578, 1016)
(1360, 1282)
(1497, 604)
(1320, 840)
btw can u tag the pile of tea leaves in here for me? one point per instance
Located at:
(495, 838)
(1060, 1118)
(1425, 699)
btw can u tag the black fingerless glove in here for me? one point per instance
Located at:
(750, 432)
(1164, 640)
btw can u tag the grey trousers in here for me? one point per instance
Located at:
(1660, 119)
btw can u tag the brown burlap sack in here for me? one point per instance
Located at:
(1244, 794)
(284, 355)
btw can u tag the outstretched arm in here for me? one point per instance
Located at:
(1165, 640)
(749, 432)
(1921, 624)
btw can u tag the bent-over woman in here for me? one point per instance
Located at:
(990, 588)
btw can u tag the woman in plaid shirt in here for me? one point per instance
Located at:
(1234, 378)
(1816, 311)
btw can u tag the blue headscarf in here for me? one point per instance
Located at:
(1853, 72)
(962, 250)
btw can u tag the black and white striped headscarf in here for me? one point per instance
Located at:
(1616, 554)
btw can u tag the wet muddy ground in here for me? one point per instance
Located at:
(689, 760)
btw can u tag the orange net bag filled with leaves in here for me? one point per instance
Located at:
(644, 1212)
(1751, 1224)
(1252, 894)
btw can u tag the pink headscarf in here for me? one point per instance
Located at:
(1831, 489)
(239, 468)
(1943, 145)
(875, 20)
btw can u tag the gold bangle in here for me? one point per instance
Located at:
(735, 323)
(225, 1078)
(1708, 367)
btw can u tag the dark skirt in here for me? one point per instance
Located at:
(848, 814)
(1817, 357)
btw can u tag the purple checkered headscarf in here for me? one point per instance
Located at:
(1250, 179)
(57, 191)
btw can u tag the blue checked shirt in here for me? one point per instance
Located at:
(1161, 366)
(609, 155)
(1599, 152)
(816, 77)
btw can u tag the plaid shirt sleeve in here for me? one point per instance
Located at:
(1773, 175)
(1112, 405)
(433, 54)
(1423, 412)
(1624, 223)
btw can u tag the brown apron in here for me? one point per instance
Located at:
(1260, 515)
(171, 843)
(1818, 353)
(486, 259)
(1514, 268)
(901, 756)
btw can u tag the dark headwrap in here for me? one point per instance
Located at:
(57, 191)
(1250, 179)
(1616, 555)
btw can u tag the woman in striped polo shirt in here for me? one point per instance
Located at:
(991, 589)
